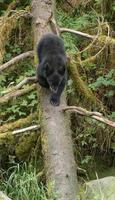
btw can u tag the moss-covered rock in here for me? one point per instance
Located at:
(100, 189)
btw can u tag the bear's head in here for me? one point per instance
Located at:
(55, 70)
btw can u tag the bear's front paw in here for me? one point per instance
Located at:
(54, 101)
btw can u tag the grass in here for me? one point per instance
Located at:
(21, 183)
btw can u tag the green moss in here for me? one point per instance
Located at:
(84, 93)
(25, 144)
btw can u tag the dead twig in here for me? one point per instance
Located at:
(26, 130)
(16, 94)
(27, 80)
(98, 53)
(95, 115)
(30, 128)
(16, 59)
(90, 45)
(18, 123)
(77, 33)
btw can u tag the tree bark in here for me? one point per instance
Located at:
(56, 139)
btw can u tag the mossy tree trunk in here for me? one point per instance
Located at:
(56, 139)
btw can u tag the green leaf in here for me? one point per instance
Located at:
(110, 74)
(33, 103)
(31, 96)
(109, 94)
(8, 56)
(24, 103)
(113, 115)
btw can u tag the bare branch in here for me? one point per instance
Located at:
(27, 80)
(90, 45)
(30, 128)
(15, 94)
(18, 123)
(5, 135)
(54, 27)
(77, 33)
(95, 115)
(92, 58)
(16, 59)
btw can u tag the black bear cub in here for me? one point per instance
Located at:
(52, 70)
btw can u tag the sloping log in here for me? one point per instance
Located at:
(56, 138)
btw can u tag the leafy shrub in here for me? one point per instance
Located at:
(106, 81)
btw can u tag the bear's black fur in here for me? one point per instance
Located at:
(52, 70)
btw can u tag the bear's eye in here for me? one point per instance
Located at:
(49, 70)
(61, 70)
